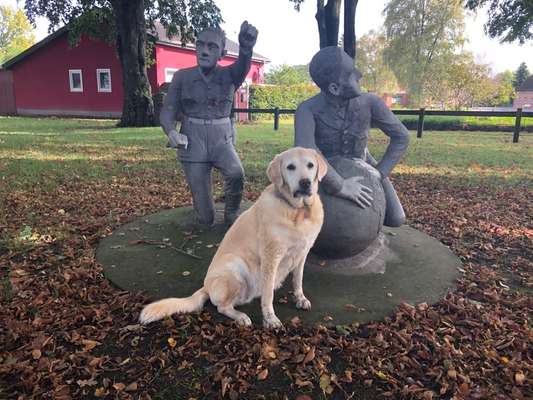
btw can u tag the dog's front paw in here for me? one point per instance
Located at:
(302, 303)
(272, 322)
(244, 320)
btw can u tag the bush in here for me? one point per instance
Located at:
(282, 96)
(435, 123)
(449, 123)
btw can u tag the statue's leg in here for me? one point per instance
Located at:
(230, 166)
(394, 213)
(198, 176)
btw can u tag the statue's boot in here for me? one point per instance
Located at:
(231, 208)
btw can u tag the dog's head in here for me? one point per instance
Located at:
(296, 173)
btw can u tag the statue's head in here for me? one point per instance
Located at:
(210, 47)
(334, 72)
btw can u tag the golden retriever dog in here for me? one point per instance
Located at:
(266, 243)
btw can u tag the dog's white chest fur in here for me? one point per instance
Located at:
(253, 278)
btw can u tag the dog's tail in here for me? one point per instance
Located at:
(162, 308)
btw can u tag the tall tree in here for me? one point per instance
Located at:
(377, 76)
(125, 22)
(509, 20)
(419, 32)
(460, 82)
(328, 20)
(16, 33)
(521, 74)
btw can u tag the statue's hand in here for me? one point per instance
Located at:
(176, 139)
(375, 173)
(355, 191)
(247, 35)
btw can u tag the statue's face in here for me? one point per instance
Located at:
(348, 85)
(208, 49)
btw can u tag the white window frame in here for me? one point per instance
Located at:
(71, 72)
(167, 70)
(98, 86)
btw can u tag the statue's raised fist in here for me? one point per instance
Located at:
(247, 35)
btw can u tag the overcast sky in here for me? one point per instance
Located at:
(291, 37)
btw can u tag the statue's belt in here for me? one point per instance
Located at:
(201, 121)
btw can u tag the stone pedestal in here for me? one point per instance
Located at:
(164, 255)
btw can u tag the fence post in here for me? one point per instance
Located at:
(276, 118)
(420, 126)
(517, 124)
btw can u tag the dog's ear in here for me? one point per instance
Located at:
(274, 171)
(322, 165)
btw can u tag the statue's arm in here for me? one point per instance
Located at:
(171, 106)
(240, 68)
(304, 136)
(384, 119)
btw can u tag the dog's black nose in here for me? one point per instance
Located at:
(305, 183)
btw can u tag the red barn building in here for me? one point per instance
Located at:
(51, 78)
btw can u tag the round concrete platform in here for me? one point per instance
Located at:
(165, 255)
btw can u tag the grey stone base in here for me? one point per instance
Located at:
(165, 255)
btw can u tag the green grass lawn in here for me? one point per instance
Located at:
(51, 151)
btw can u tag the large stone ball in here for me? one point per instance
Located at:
(349, 229)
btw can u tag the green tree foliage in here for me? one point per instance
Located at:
(288, 75)
(125, 23)
(459, 82)
(505, 92)
(521, 74)
(509, 20)
(16, 33)
(420, 33)
(377, 76)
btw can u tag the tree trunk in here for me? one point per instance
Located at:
(333, 12)
(328, 18)
(349, 27)
(321, 21)
(138, 107)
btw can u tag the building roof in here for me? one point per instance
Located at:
(232, 48)
(9, 63)
(527, 85)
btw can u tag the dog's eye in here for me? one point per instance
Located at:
(310, 165)
(291, 167)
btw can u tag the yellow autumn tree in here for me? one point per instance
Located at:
(16, 32)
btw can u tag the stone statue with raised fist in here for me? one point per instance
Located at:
(201, 98)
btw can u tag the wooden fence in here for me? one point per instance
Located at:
(518, 114)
